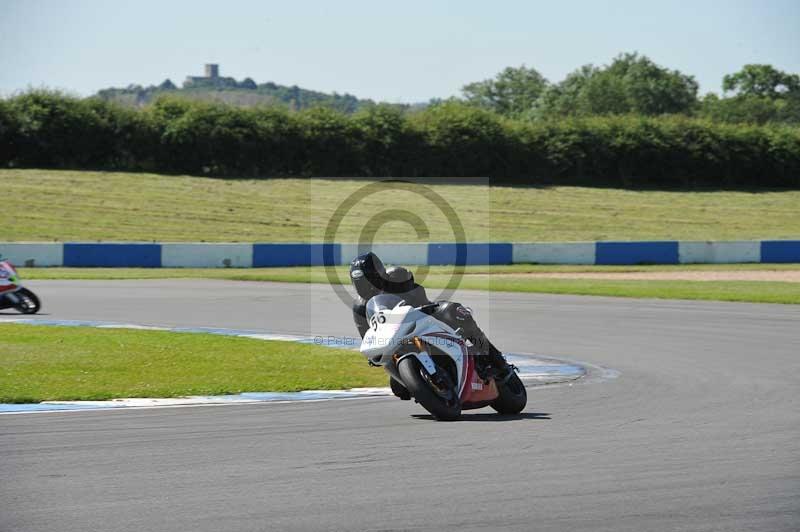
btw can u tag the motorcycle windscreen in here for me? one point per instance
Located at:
(381, 302)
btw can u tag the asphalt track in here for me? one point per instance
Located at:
(700, 431)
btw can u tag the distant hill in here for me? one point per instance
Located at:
(213, 87)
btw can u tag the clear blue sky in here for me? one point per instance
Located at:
(394, 51)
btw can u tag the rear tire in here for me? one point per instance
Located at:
(513, 396)
(29, 302)
(411, 372)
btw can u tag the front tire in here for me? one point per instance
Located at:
(444, 405)
(399, 390)
(513, 396)
(29, 303)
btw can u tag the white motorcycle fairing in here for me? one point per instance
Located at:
(392, 331)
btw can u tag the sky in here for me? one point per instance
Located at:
(407, 51)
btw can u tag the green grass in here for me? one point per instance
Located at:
(476, 278)
(742, 291)
(39, 363)
(48, 205)
(318, 274)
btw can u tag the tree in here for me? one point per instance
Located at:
(761, 80)
(167, 85)
(752, 109)
(654, 90)
(248, 83)
(761, 94)
(512, 92)
(562, 99)
(630, 84)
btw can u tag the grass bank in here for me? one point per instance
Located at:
(40, 363)
(51, 205)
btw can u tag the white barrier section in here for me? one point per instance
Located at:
(31, 255)
(407, 254)
(554, 253)
(719, 252)
(202, 255)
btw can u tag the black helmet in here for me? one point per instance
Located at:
(399, 280)
(368, 275)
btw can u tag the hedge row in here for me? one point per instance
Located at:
(45, 129)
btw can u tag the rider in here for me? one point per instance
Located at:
(5, 283)
(370, 278)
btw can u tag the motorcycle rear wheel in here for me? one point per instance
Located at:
(416, 381)
(29, 303)
(513, 396)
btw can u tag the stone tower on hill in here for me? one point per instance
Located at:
(212, 70)
(211, 77)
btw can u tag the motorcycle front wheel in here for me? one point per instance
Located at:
(441, 401)
(28, 301)
(513, 396)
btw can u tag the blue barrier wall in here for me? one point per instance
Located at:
(780, 251)
(266, 255)
(147, 255)
(113, 255)
(636, 253)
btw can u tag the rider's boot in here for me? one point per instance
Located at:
(493, 357)
(488, 355)
(399, 390)
(498, 361)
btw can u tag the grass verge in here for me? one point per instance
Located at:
(476, 278)
(741, 291)
(318, 274)
(41, 363)
(79, 205)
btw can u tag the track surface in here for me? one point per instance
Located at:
(700, 432)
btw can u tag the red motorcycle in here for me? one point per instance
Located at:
(13, 294)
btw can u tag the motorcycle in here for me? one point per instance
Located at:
(13, 294)
(435, 364)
